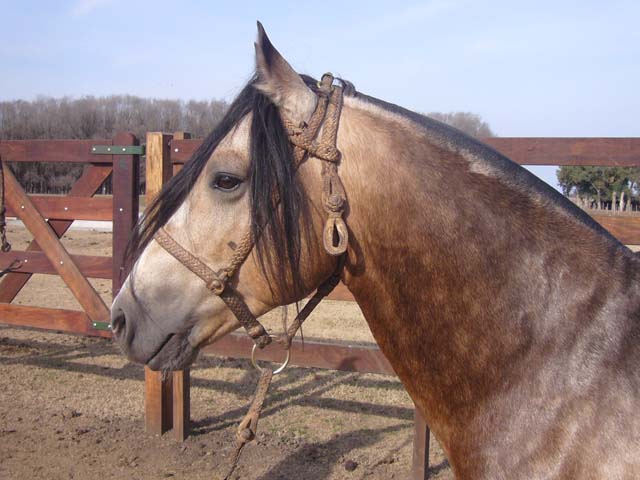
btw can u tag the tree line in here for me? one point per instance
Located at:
(602, 188)
(95, 118)
(103, 117)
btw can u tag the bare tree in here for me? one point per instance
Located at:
(470, 123)
(95, 118)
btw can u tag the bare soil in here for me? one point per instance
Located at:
(71, 407)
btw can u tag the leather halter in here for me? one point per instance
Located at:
(317, 138)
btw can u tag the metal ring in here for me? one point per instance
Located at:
(278, 370)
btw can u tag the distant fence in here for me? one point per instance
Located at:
(167, 400)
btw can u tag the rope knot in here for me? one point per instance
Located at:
(246, 435)
(335, 203)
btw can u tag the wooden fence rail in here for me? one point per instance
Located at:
(48, 217)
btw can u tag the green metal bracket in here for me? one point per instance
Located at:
(118, 149)
(101, 326)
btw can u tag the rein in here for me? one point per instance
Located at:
(316, 138)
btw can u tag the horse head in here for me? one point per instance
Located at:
(244, 200)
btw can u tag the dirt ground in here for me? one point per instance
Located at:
(72, 407)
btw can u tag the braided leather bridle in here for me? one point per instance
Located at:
(317, 138)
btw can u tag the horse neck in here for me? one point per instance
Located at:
(459, 273)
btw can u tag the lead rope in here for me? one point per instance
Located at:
(248, 427)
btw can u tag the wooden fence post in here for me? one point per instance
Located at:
(167, 401)
(179, 136)
(181, 379)
(420, 464)
(124, 182)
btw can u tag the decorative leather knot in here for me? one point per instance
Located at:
(335, 203)
(262, 340)
(216, 286)
(246, 435)
(256, 331)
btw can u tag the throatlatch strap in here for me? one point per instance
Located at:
(323, 290)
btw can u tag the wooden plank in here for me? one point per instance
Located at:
(73, 321)
(180, 135)
(181, 404)
(420, 461)
(625, 228)
(53, 249)
(331, 356)
(52, 151)
(90, 181)
(523, 150)
(183, 150)
(158, 414)
(125, 205)
(158, 163)
(164, 406)
(176, 167)
(71, 208)
(37, 262)
(618, 152)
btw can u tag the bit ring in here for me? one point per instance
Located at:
(278, 370)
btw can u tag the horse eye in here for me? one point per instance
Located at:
(224, 181)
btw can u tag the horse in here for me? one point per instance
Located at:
(510, 316)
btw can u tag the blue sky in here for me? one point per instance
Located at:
(543, 68)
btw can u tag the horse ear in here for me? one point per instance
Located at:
(278, 81)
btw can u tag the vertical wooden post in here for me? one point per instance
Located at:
(167, 400)
(181, 379)
(420, 467)
(124, 181)
(158, 165)
(180, 136)
(181, 404)
(158, 402)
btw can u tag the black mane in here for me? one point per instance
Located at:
(278, 205)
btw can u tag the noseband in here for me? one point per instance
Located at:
(317, 139)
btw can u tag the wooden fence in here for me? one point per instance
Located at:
(167, 401)
(49, 217)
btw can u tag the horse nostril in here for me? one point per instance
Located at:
(118, 322)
